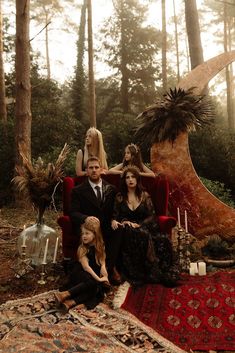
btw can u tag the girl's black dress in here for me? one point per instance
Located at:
(83, 288)
(146, 253)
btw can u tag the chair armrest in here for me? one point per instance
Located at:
(70, 241)
(65, 223)
(166, 223)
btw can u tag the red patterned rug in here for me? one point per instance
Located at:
(198, 314)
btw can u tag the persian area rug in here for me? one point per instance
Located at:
(198, 314)
(35, 325)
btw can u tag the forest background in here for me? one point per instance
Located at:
(139, 61)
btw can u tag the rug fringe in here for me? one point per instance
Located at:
(120, 295)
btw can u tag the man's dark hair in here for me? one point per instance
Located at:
(93, 159)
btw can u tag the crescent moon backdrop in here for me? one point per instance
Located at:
(206, 214)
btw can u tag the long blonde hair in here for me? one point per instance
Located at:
(97, 147)
(94, 227)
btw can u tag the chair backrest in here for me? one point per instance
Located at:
(157, 187)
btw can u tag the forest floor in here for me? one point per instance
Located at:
(12, 222)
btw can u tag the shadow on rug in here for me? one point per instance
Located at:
(198, 314)
(35, 325)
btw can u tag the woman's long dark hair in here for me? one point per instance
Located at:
(136, 158)
(123, 187)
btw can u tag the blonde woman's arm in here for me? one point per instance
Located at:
(147, 172)
(116, 170)
(79, 159)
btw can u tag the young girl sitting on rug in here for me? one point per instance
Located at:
(89, 278)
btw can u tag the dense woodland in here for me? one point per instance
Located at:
(39, 114)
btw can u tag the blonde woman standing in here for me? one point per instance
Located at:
(94, 147)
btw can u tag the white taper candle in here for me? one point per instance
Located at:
(186, 221)
(56, 249)
(24, 237)
(178, 214)
(45, 253)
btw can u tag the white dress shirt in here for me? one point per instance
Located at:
(93, 185)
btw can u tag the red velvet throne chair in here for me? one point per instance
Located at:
(157, 187)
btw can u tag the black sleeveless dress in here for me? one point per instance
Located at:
(83, 288)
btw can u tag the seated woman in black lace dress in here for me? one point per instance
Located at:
(146, 253)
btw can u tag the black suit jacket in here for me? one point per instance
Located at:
(84, 203)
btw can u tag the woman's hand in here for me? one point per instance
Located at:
(115, 224)
(131, 224)
(104, 171)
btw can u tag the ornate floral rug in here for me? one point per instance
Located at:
(198, 314)
(35, 325)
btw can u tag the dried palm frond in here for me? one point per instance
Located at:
(37, 182)
(175, 112)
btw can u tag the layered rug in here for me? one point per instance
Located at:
(35, 325)
(198, 314)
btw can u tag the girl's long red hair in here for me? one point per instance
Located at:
(94, 227)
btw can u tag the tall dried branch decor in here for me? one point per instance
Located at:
(37, 183)
(174, 112)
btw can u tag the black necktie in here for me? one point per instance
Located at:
(98, 193)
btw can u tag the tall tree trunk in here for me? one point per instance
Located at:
(47, 50)
(23, 87)
(78, 89)
(124, 73)
(3, 109)
(164, 46)
(176, 44)
(91, 67)
(228, 70)
(193, 32)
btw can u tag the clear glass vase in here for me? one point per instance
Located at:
(33, 240)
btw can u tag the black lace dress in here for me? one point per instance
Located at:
(146, 253)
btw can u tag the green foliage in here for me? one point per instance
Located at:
(130, 49)
(212, 152)
(52, 122)
(219, 190)
(118, 132)
(69, 164)
(52, 127)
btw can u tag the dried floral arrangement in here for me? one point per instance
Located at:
(38, 182)
(174, 112)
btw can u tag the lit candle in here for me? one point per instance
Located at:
(178, 214)
(45, 252)
(202, 268)
(186, 221)
(56, 249)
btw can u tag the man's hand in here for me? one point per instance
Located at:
(91, 219)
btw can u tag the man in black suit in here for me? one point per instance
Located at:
(88, 201)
